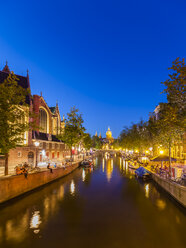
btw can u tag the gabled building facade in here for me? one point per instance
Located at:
(49, 124)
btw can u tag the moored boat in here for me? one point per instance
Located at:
(141, 172)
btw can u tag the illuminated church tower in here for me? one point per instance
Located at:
(109, 135)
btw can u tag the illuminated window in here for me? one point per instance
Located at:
(43, 120)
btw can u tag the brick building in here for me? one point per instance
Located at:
(49, 123)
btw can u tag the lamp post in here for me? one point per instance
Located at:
(36, 143)
(161, 153)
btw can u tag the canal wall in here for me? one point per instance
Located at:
(177, 191)
(13, 186)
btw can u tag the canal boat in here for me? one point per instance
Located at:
(141, 172)
(133, 166)
(87, 163)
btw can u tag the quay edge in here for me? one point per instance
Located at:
(177, 191)
(17, 185)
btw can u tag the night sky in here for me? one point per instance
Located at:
(107, 58)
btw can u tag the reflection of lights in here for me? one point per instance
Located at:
(126, 165)
(43, 152)
(35, 221)
(103, 165)
(109, 169)
(83, 175)
(147, 190)
(160, 204)
(72, 187)
(177, 219)
(112, 164)
(61, 192)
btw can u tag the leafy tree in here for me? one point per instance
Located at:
(176, 85)
(96, 142)
(73, 132)
(135, 137)
(169, 129)
(87, 141)
(13, 115)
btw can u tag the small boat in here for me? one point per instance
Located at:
(86, 163)
(141, 172)
(133, 166)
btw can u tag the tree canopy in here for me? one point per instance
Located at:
(13, 115)
(73, 131)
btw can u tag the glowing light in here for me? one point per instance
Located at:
(35, 222)
(136, 151)
(147, 190)
(36, 143)
(43, 152)
(150, 149)
(147, 151)
(83, 175)
(161, 151)
(72, 187)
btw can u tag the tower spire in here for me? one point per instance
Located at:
(6, 68)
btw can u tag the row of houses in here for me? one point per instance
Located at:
(49, 122)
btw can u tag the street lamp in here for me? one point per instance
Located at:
(161, 152)
(36, 143)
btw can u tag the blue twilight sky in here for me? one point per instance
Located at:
(107, 58)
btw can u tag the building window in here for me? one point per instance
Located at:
(43, 120)
(53, 155)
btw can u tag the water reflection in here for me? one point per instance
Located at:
(51, 215)
(72, 187)
(161, 204)
(35, 221)
(109, 169)
(103, 165)
(147, 190)
(83, 175)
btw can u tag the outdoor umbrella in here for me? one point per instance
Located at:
(162, 158)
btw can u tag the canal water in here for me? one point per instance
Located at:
(102, 208)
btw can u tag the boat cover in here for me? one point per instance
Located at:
(141, 171)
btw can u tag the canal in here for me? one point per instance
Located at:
(103, 208)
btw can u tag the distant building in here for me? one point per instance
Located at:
(107, 142)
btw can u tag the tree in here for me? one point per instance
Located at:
(169, 129)
(176, 85)
(73, 132)
(96, 142)
(13, 115)
(87, 141)
(135, 137)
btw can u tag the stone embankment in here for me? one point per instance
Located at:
(177, 191)
(14, 186)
